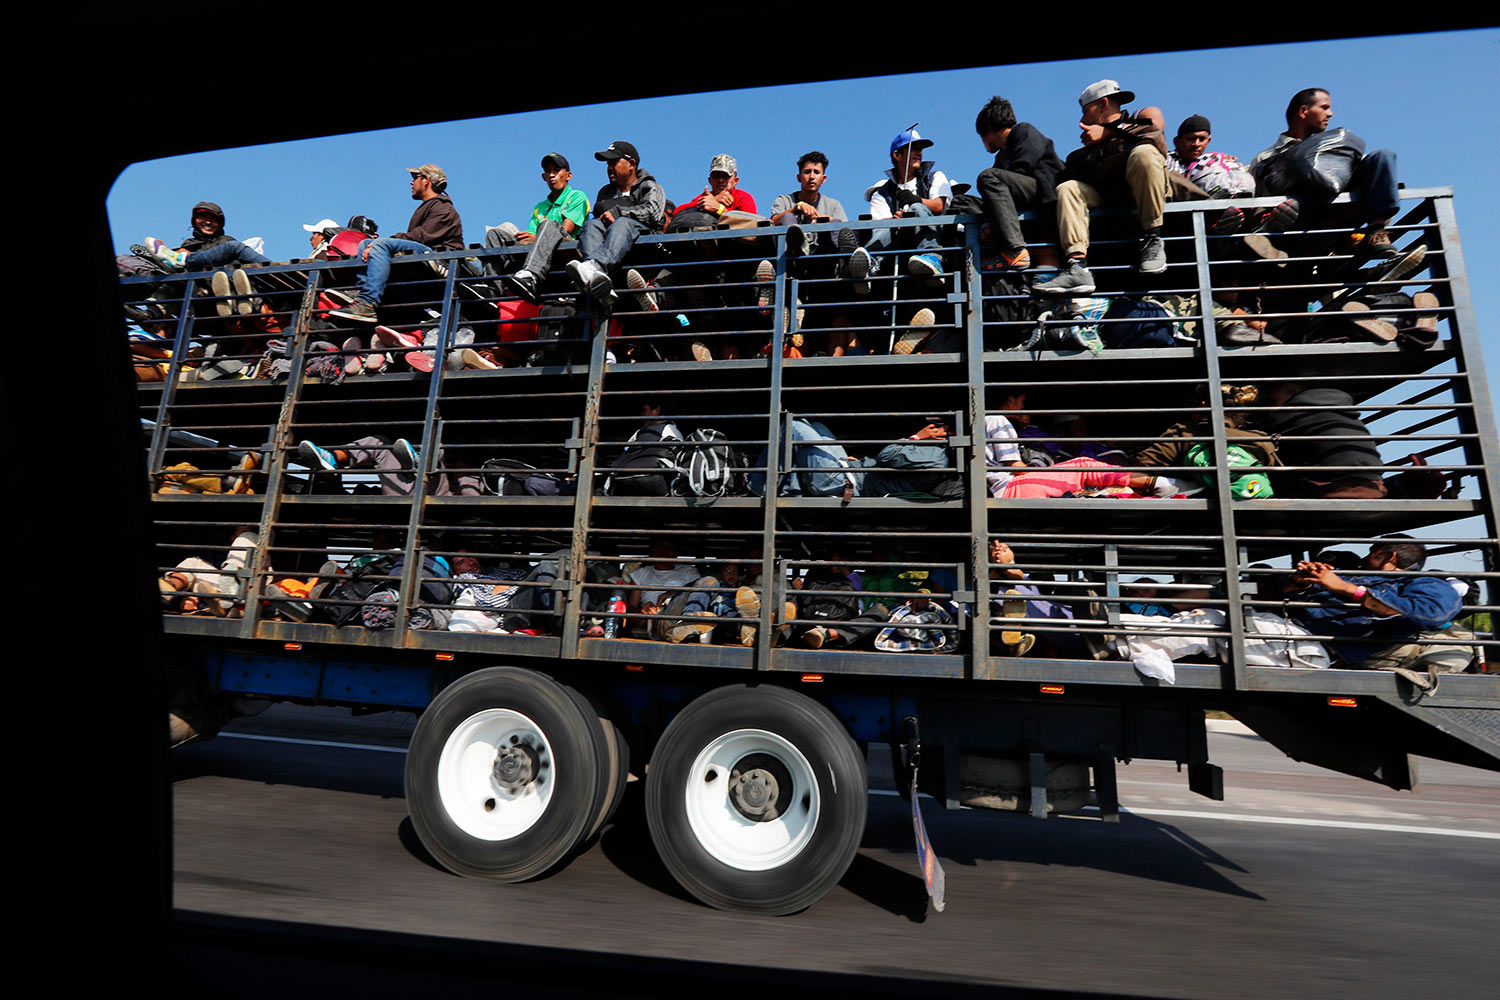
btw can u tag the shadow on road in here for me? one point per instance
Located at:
(888, 887)
(357, 771)
(1137, 847)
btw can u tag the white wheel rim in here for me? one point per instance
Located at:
(474, 799)
(734, 838)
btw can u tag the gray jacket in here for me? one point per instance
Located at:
(647, 202)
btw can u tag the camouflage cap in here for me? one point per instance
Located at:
(432, 172)
(724, 164)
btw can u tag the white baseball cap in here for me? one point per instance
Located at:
(320, 226)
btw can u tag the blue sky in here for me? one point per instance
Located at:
(1425, 96)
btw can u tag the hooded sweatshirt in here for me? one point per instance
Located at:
(645, 202)
(195, 242)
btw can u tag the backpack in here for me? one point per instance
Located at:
(510, 477)
(828, 606)
(1249, 486)
(1145, 323)
(355, 588)
(648, 465)
(708, 467)
(1082, 334)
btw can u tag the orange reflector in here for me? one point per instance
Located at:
(633, 667)
(812, 678)
(291, 645)
(1052, 689)
(1343, 702)
(443, 656)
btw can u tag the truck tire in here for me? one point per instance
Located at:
(756, 799)
(503, 775)
(612, 759)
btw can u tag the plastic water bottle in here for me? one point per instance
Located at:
(616, 607)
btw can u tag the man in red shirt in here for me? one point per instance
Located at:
(720, 195)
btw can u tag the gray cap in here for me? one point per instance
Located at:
(1104, 88)
(724, 164)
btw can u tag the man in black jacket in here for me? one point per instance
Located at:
(435, 225)
(1024, 176)
(207, 246)
(629, 206)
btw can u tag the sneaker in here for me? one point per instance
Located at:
(796, 238)
(385, 339)
(765, 280)
(589, 278)
(919, 330)
(317, 458)
(683, 630)
(1153, 255)
(422, 361)
(925, 265)
(220, 285)
(247, 303)
(747, 604)
(404, 454)
(1378, 245)
(358, 310)
(1281, 218)
(353, 364)
(176, 259)
(377, 363)
(1228, 222)
(1243, 333)
(701, 352)
(221, 368)
(473, 359)
(858, 268)
(1022, 646)
(644, 298)
(847, 240)
(1015, 260)
(284, 603)
(241, 483)
(1426, 319)
(1074, 279)
(524, 284)
(1261, 246)
(815, 637)
(788, 612)
(1014, 606)
(1400, 266)
(1376, 326)
(440, 266)
(338, 296)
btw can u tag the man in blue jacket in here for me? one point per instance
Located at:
(1382, 609)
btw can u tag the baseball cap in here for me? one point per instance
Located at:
(909, 138)
(432, 172)
(1104, 88)
(724, 164)
(557, 158)
(320, 226)
(617, 149)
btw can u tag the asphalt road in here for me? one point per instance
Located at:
(1301, 883)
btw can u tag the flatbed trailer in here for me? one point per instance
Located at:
(756, 784)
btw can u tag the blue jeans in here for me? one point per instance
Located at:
(608, 245)
(233, 252)
(826, 453)
(1375, 183)
(927, 239)
(378, 271)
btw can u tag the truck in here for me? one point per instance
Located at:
(352, 468)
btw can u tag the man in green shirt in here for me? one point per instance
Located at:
(565, 205)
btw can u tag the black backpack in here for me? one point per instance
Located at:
(510, 477)
(356, 587)
(648, 465)
(708, 467)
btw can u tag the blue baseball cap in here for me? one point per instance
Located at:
(909, 137)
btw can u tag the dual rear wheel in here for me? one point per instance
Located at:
(755, 796)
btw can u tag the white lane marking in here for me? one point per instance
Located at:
(1335, 824)
(312, 743)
